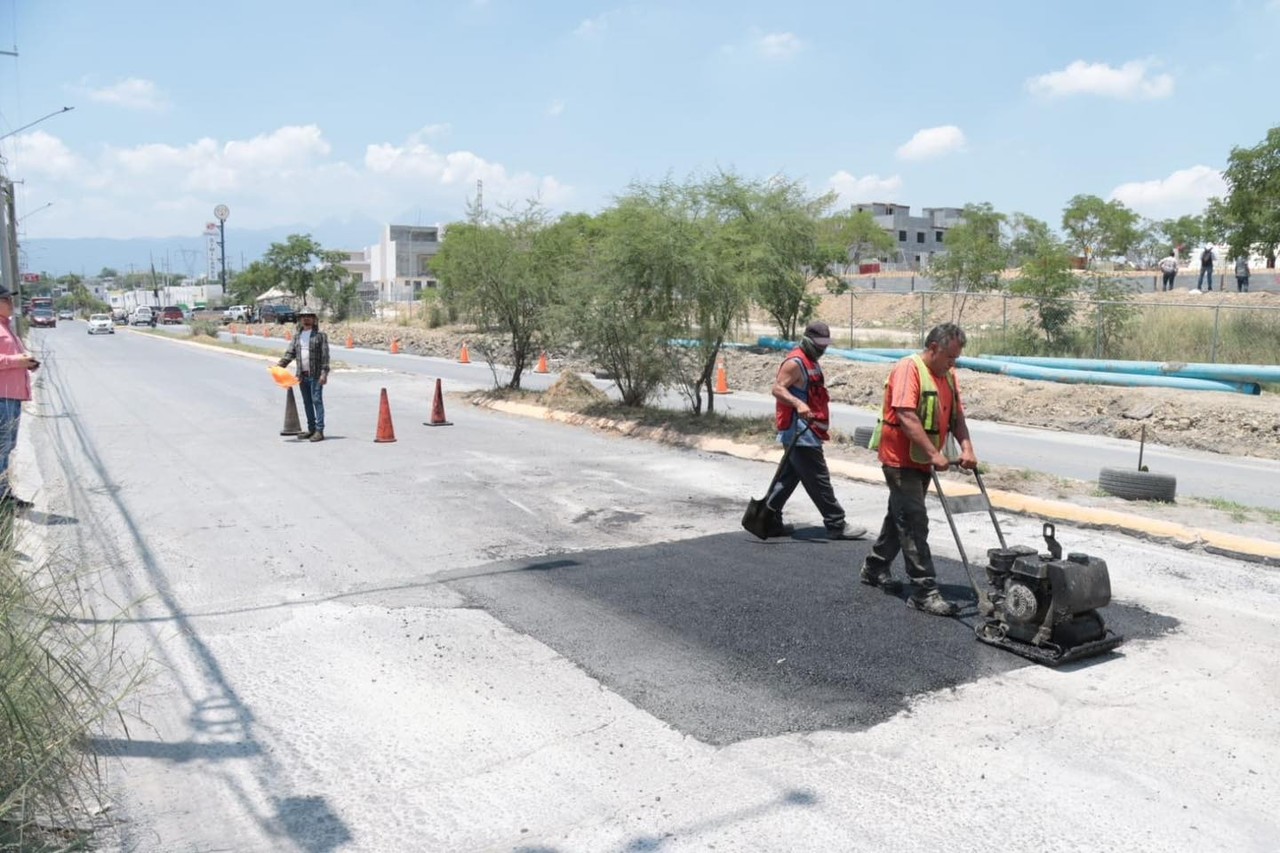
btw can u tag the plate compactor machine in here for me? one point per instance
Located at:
(1036, 605)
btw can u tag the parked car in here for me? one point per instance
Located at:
(171, 314)
(238, 314)
(120, 317)
(277, 314)
(66, 314)
(142, 316)
(43, 318)
(100, 324)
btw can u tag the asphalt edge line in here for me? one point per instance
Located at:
(1179, 535)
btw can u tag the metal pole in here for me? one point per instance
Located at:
(850, 316)
(222, 244)
(1213, 345)
(923, 334)
(1098, 340)
(1005, 329)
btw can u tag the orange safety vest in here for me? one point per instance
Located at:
(814, 393)
(926, 410)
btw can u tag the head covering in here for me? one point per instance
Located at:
(818, 332)
(5, 293)
(307, 312)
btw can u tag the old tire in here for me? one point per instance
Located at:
(862, 436)
(1137, 485)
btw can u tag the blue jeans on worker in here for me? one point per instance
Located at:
(10, 412)
(1207, 270)
(313, 401)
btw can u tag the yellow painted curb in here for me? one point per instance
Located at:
(1226, 544)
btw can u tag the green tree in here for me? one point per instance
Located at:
(251, 282)
(1046, 278)
(850, 236)
(504, 272)
(1096, 227)
(108, 272)
(975, 258)
(338, 293)
(300, 262)
(1184, 234)
(1024, 237)
(1249, 216)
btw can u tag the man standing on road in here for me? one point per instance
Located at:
(1206, 268)
(310, 347)
(921, 410)
(1242, 274)
(16, 365)
(1169, 269)
(800, 393)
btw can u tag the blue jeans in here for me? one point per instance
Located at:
(1203, 272)
(313, 401)
(10, 412)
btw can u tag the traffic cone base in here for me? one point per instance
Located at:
(464, 357)
(386, 431)
(542, 364)
(291, 425)
(395, 346)
(351, 343)
(437, 409)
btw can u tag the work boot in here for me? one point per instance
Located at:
(317, 436)
(303, 436)
(882, 579)
(846, 531)
(931, 601)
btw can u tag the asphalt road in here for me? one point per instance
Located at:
(1077, 456)
(514, 635)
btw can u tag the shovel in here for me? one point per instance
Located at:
(759, 518)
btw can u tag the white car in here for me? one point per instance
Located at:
(101, 324)
(142, 316)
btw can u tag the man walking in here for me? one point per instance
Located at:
(1206, 268)
(1242, 274)
(802, 414)
(310, 347)
(921, 411)
(1169, 269)
(16, 365)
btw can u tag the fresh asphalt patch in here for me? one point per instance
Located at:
(726, 638)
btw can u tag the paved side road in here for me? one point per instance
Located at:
(514, 635)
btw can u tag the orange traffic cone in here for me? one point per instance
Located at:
(232, 328)
(722, 379)
(288, 336)
(464, 357)
(437, 409)
(386, 432)
(351, 342)
(291, 425)
(395, 346)
(266, 331)
(542, 364)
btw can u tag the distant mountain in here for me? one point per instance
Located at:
(88, 255)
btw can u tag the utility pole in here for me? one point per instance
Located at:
(222, 212)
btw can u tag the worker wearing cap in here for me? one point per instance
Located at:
(310, 347)
(802, 415)
(921, 410)
(16, 365)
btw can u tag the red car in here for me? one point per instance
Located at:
(171, 314)
(44, 317)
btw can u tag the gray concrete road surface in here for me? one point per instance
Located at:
(515, 635)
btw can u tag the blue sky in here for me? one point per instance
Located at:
(301, 113)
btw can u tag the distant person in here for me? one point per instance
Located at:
(16, 365)
(800, 395)
(1169, 269)
(1206, 269)
(1242, 275)
(310, 347)
(921, 410)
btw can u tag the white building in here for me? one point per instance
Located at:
(397, 268)
(189, 294)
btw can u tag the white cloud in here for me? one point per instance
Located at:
(853, 190)
(132, 93)
(778, 45)
(284, 177)
(932, 142)
(1130, 81)
(1184, 191)
(593, 27)
(555, 108)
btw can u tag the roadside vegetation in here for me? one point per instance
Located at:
(61, 676)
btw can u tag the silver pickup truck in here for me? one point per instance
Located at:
(238, 314)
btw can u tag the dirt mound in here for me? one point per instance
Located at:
(574, 393)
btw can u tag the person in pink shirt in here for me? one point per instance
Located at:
(16, 365)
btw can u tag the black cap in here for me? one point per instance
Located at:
(5, 293)
(818, 332)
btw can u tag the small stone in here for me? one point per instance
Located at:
(1140, 413)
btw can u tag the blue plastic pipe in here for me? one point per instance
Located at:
(1220, 372)
(1099, 377)
(849, 354)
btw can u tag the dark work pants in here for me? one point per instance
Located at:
(808, 465)
(1242, 283)
(1205, 271)
(1169, 278)
(905, 528)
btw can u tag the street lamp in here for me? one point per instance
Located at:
(222, 212)
(37, 121)
(44, 206)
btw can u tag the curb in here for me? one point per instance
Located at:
(1179, 535)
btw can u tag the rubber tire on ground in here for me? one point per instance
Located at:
(862, 436)
(1137, 485)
